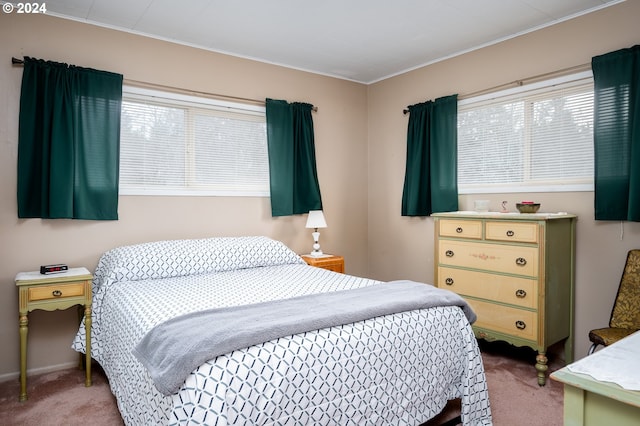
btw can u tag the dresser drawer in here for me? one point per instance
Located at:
(461, 228)
(489, 257)
(504, 319)
(500, 288)
(56, 291)
(522, 232)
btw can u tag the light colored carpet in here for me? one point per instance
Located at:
(514, 393)
(515, 396)
(60, 398)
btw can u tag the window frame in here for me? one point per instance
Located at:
(526, 90)
(171, 98)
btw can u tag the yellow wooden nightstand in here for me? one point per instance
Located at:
(51, 292)
(327, 261)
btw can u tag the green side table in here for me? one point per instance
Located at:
(51, 292)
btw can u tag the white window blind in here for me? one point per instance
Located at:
(174, 144)
(534, 140)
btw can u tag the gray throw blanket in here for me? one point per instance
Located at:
(172, 350)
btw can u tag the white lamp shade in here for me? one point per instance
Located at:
(316, 219)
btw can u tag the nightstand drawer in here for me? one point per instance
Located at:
(334, 266)
(504, 319)
(329, 261)
(56, 291)
(489, 257)
(499, 288)
(461, 228)
(522, 232)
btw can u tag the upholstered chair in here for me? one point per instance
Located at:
(625, 316)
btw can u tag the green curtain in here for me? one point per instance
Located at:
(431, 179)
(69, 141)
(616, 77)
(292, 158)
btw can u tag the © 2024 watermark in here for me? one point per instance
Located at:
(24, 8)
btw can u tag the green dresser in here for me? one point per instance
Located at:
(517, 273)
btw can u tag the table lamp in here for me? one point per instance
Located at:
(316, 220)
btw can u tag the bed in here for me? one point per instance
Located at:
(395, 369)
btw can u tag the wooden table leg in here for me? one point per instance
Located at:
(541, 367)
(87, 331)
(24, 330)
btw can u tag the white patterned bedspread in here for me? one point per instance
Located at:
(396, 370)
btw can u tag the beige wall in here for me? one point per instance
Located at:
(341, 149)
(360, 144)
(401, 247)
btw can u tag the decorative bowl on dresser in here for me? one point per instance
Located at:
(517, 273)
(528, 207)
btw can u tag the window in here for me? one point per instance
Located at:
(538, 139)
(172, 144)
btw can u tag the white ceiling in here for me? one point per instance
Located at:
(360, 40)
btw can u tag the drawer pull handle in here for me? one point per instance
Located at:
(520, 325)
(56, 293)
(510, 233)
(459, 230)
(448, 253)
(521, 261)
(521, 293)
(448, 281)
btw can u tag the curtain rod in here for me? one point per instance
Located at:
(522, 82)
(197, 93)
(16, 61)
